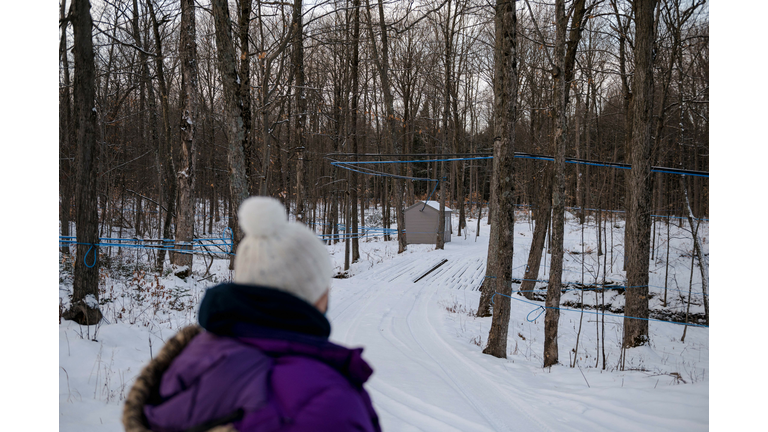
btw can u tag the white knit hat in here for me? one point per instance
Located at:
(279, 254)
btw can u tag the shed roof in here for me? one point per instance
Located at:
(434, 204)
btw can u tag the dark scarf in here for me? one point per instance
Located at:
(255, 311)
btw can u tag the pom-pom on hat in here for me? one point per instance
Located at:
(280, 254)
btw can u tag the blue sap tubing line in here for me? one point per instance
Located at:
(543, 308)
(165, 244)
(535, 157)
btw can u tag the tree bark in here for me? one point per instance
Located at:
(300, 119)
(623, 30)
(84, 308)
(153, 119)
(563, 75)
(164, 155)
(638, 227)
(440, 238)
(244, 95)
(489, 285)
(354, 186)
(65, 134)
(499, 271)
(552, 315)
(542, 213)
(233, 113)
(185, 220)
(703, 259)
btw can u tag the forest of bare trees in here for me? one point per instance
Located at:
(186, 107)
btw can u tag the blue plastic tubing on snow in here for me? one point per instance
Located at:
(543, 308)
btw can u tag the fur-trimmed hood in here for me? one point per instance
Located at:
(145, 389)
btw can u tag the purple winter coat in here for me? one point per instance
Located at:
(281, 381)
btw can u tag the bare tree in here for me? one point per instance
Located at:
(65, 131)
(447, 57)
(542, 214)
(382, 64)
(185, 220)
(503, 226)
(316, 85)
(492, 282)
(355, 183)
(164, 155)
(702, 258)
(233, 113)
(638, 228)
(563, 74)
(84, 308)
(300, 118)
(541, 194)
(244, 94)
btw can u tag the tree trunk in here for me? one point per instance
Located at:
(440, 239)
(552, 315)
(499, 270)
(233, 114)
(542, 214)
(382, 65)
(354, 185)
(488, 287)
(84, 308)
(65, 135)
(185, 220)
(627, 103)
(563, 75)
(244, 96)
(346, 229)
(637, 237)
(577, 144)
(300, 119)
(703, 259)
(153, 120)
(164, 155)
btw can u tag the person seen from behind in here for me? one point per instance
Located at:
(260, 360)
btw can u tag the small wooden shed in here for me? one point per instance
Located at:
(421, 221)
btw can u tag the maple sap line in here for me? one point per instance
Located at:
(584, 286)
(518, 155)
(543, 308)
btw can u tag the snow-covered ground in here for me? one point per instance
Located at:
(425, 343)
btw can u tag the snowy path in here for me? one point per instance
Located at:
(426, 379)
(398, 321)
